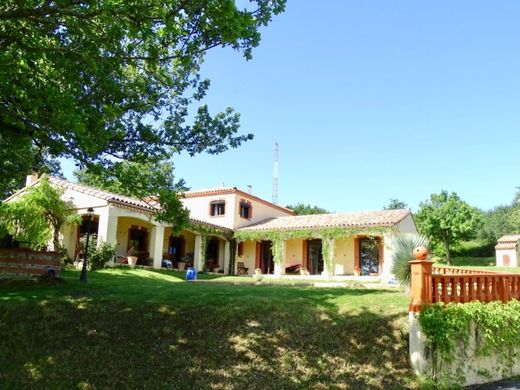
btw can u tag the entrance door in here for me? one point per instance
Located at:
(177, 248)
(266, 257)
(212, 250)
(369, 256)
(314, 257)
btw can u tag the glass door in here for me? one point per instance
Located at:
(369, 256)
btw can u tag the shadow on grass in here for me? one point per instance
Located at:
(182, 335)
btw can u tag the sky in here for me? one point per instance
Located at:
(372, 100)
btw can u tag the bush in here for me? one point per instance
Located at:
(404, 245)
(474, 248)
(101, 255)
(98, 256)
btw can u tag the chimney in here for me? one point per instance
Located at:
(30, 179)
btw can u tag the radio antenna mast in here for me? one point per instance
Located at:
(275, 174)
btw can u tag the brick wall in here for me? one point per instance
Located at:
(24, 262)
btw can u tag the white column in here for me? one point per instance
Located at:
(227, 256)
(156, 245)
(197, 255)
(107, 227)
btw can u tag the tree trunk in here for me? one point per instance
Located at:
(56, 238)
(448, 255)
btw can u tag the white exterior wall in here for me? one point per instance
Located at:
(513, 257)
(261, 212)
(200, 209)
(407, 225)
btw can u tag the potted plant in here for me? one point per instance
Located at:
(132, 261)
(181, 264)
(258, 274)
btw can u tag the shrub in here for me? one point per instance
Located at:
(101, 255)
(404, 245)
(475, 248)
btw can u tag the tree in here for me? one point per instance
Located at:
(15, 163)
(108, 81)
(396, 204)
(446, 219)
(497, 222)
(306, 209)
(38, 215)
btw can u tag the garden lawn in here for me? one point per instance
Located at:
(485, 263)
(148, 329)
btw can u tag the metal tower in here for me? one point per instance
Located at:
(275, 174)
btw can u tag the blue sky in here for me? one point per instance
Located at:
(372, 100)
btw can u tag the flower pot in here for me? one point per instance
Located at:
(216, 269)
(181, 265)
(132, 261)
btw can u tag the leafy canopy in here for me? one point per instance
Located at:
(446, 219)
(396, 204)
(110, 81)
(306, 209)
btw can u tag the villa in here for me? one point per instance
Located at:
(232, 231)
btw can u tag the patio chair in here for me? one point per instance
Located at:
(241, 269)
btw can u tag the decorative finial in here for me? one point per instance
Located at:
(420, 253)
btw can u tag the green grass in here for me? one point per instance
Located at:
(487, 263)
(148, 329)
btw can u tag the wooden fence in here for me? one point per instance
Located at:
(24, 262)
(448, 284)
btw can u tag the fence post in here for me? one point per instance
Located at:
(420, 284)
(504, 289)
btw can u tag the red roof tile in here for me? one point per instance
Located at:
(385, 218)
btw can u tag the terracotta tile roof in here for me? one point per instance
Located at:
(385, 218)
(151, 206)
(508, 242)
(102, 194)
(233, 190)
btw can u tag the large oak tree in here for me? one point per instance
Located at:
(107, 81)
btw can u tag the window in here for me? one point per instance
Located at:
(217, 207)
(246, 210)
(240, 249)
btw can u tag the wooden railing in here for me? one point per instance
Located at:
(448, 284)
(460, 271)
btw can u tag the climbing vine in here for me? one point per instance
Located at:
(448, 328)
(278, 250)
(327, 252)
(290, 234)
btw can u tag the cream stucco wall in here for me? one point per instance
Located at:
(293, 252)
(261, 212)
(123, 226)
(343, 258)
(249, 256)
(199, 208)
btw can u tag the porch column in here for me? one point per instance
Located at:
(227, 256)
(156, 245)
(328, 263)
(278, 249)
(197, 254)
(107, 227)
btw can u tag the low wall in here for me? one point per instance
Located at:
(24, 262)
(469, 367)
